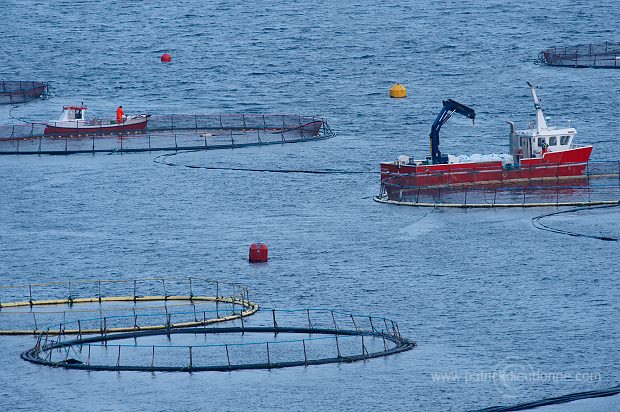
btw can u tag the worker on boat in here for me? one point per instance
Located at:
(120, 113)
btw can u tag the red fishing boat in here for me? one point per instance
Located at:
(538, 152)
(73, 121)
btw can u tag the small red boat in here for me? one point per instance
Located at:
(539, 152)
(73, 121)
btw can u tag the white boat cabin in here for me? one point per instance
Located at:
(539, 138)
(73, 113)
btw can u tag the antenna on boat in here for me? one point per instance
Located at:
(541, 124)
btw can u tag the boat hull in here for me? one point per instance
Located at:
(553, 165)
(133, 125)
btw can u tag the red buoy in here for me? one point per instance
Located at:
(259, 252)
(166, 58)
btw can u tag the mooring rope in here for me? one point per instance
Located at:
(14, 117)
(162, 159)
(555, 401)
(539, 225)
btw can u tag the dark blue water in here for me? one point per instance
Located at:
(480, 291)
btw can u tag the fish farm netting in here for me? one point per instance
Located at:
(13, 92)
(599, 184)
(174, 132)
(601, 55)
(92, 306)
(280, 338)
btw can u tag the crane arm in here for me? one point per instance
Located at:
(449, 107)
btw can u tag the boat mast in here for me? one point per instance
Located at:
(541, 124)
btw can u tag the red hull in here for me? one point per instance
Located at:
(569, 163)
(102, 129)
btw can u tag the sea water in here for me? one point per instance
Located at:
(482, 292)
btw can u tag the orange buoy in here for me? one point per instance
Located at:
(259, 252)
(166, 58)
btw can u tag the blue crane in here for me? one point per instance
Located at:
(449, 107)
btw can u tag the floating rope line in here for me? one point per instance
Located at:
(536, 221)
(14, 117)
(162, 159)
(555, 401)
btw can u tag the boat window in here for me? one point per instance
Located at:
(78, 114)
(553, 140)
(564, 140)
(541, 140)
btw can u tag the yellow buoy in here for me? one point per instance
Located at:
(398, 91)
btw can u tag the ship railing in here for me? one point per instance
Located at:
(598, 183)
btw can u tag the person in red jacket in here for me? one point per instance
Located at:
(119, 114)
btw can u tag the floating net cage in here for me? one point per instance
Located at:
(173, 132)
(14, 92)
(598, 185)
(106, 306)
(270, 339)
(600, 55)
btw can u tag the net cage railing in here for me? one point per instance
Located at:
(281, 338)
(170, 132)
(14, 92)
(603, 55)
(598, 183)
(92, 306)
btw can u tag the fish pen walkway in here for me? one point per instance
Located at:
(174, 132)
(600, 55)
(284, 338)
(599, 185)
(92, 306)
(14, 92)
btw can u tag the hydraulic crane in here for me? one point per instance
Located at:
(449, 107)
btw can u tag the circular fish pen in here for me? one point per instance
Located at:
(108, 306)
(15, 92)
(283, 338)
(599, 55)
(170, 133)
(598, 185)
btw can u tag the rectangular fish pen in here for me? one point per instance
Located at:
(13, 92)
(600, 55)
